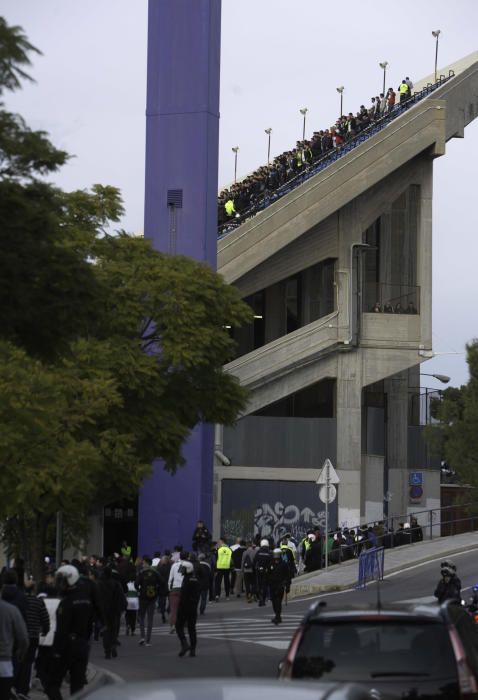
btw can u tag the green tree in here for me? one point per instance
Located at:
(456, 436)
(110, 352)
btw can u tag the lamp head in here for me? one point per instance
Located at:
(268, 131)
(303, 111)
(340, 89)
(383, 65)
(235, 149)
(443, 378)
(436, 33)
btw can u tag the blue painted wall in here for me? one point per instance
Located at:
(182, 136)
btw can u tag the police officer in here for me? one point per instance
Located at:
(261, 564)
(449, 586)
(73, 628)
(223, 569)
(278, 579)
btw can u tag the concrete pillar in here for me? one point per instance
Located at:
(349, 438)
(275, 312)
(396, 389)
(424, 253)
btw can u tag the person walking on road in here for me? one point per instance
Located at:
(148, 585)
(175, 582)
(278, 579)
(13, 645)
(204, 573)
(187, 609)
(223, 568)
(113, 603)
(38, 622)
(262, 562)
(248, 571)
(74, 620)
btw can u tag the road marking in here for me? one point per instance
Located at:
(241, 629)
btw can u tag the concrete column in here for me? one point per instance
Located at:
(275, 312)
(424, 253)
(349, 438)
(396, 389)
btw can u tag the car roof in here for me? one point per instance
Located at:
(398, 611)
(226, 689)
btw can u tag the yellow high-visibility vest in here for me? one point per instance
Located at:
(229, 207)
(224, 555)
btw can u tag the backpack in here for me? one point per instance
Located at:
(149, 585)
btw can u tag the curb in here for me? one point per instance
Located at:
(309, 589)
(100, 677)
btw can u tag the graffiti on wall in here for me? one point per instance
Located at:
(275, 521)
(271, 509)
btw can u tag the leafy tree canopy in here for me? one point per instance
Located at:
(456, 436)
(110, 352)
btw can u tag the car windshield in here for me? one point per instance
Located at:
(361, 650)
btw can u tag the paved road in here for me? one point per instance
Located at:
(237, 639)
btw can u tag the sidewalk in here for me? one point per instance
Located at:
(96, 677)
(342, 576)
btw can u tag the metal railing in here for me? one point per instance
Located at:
(326, 159)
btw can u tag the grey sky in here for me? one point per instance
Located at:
(277, 56)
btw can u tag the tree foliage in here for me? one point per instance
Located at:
(110, 352)
(456, 436)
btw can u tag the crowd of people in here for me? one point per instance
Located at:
(389, 308)
(243, 196)
(49, 625)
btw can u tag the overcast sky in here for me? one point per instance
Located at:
(277, 56)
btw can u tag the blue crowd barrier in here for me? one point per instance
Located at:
(370, 566)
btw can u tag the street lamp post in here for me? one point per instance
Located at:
(340, 90)
(268, 132)
(441, 377)
(235, 150)
(384, 65)
(303, 111)
(436, 34)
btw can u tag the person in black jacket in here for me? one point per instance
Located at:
(38, 622)
(261, 564)
(201, 538)
(187, 609)
(74, 620)
(313, 555)
(205, 577)
(449, 586)
(278, 579)
(113, 603)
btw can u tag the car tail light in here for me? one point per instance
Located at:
(466, 679)
(475, 618)
(286, 666)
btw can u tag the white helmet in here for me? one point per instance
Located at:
(69, 573)
(264, 543)
(277, 552)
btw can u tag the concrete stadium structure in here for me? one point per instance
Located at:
(328, 378)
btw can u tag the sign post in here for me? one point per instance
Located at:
(327, 479)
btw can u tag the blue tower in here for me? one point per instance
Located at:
(182, 136)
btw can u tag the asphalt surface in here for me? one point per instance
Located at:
(237, 639)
